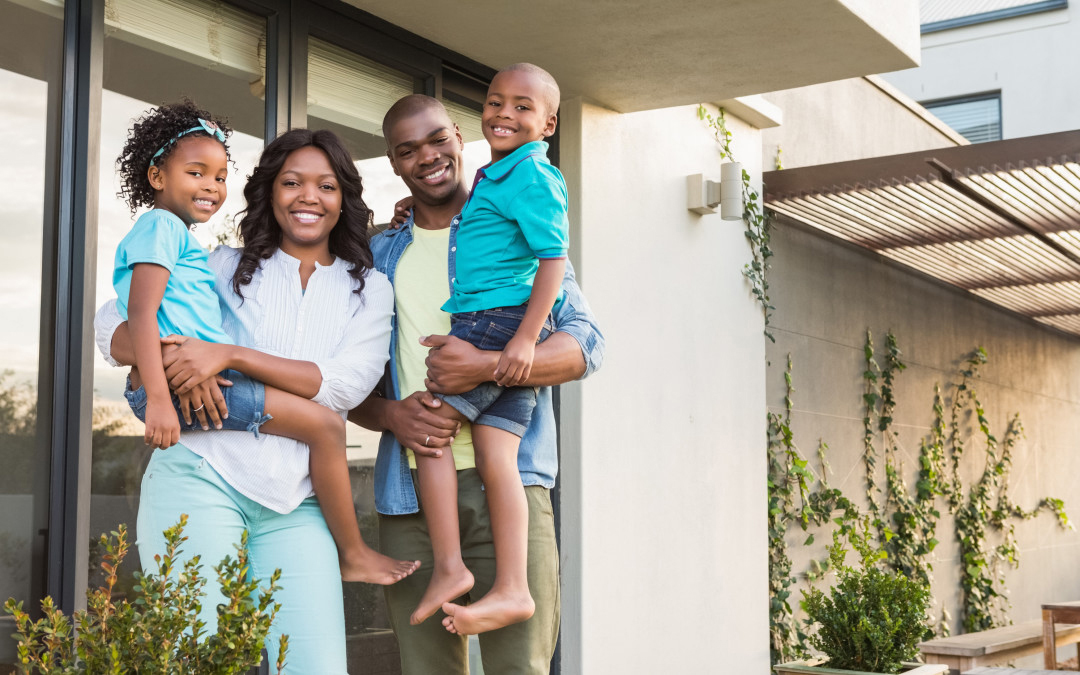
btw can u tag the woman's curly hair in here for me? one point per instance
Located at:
(259, 230)
(156, 129)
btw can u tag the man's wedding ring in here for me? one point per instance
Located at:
(426, 441)
(199, 408)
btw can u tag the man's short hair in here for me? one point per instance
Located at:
(553, 96)
(407, 106)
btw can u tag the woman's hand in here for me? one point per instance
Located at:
(207, 402)
(416, 427)
(402, 211)
(192, 362)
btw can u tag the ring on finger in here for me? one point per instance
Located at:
(427, 440)
(199, 408)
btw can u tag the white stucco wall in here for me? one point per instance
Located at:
(663, 471)
(849, 119)
(1033, 60)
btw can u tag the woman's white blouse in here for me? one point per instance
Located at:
(346, 335)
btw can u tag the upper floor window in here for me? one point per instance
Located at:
(976, 118)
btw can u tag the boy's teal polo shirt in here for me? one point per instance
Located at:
(515, 215)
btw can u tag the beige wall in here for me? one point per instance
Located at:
(827, 294)
(850, 119)
(663, 489)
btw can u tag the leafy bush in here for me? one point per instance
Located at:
(160, 632)
(871, 620)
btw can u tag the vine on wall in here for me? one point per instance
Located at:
(906, 520)
(755, 216)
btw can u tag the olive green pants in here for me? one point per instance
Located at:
(428, 649)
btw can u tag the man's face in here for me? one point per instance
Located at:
(425, 150)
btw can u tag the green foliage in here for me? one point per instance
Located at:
(871, 619)
(159, 633)
(905, 521)
(793, 501)
(755, 216)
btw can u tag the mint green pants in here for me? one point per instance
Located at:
(312, 613)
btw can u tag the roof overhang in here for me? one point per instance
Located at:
(1000, 220)
(635, 55)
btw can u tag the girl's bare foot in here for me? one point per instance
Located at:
(494, 610)
(372, 567)
(445, 585)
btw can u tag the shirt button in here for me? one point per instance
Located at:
(453, 248)
(453, 280)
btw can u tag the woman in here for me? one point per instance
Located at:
(311, 317)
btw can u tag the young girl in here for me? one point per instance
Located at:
(175, 160)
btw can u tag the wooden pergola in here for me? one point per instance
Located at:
(1000, 220)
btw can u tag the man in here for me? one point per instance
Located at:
(425, 150)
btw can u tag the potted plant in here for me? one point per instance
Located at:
(871, 620)
(160, 632)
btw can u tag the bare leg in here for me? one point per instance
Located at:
(450, 579)
(508, 601)
(324, 432)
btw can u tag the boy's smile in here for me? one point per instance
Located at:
(516, 112)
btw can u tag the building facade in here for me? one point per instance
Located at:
(998, 69)
(661, 448)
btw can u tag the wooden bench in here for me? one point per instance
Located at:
(994, 646)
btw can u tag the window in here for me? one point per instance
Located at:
(30, 77)
(976, 118)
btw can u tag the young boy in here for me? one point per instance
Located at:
(513, 238)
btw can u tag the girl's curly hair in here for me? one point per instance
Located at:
(260, 231)
(157, 129)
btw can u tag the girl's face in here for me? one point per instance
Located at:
(191, 182)
(307, 202)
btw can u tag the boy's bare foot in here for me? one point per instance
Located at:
(445, 585)
(372, 567)
(492, 611)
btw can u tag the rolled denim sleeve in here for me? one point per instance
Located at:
(106, 321)
(574, 317)
(360, 359)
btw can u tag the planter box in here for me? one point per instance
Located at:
(812, 667)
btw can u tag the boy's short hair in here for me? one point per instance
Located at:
(407, 106)
(553, 97)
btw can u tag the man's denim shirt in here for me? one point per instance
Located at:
(537, 455)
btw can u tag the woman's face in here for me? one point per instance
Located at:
(307, 202)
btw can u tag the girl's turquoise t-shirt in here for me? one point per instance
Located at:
(190, 305)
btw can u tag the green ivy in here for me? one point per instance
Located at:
(756, 217)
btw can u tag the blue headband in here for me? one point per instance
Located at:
(209, 127)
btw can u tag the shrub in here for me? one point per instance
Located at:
(160, 632)
(871, 620)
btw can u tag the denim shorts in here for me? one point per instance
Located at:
(245, 399)
(506, 408)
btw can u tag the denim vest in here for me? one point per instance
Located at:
(538, 454)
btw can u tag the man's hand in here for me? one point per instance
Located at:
(416, 427)
(455, 366)
(207, 402)
(516, 361)
(193, 362)
(162, 426)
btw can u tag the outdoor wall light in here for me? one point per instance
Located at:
(703, 195)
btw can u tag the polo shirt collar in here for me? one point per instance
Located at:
(497, 170)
